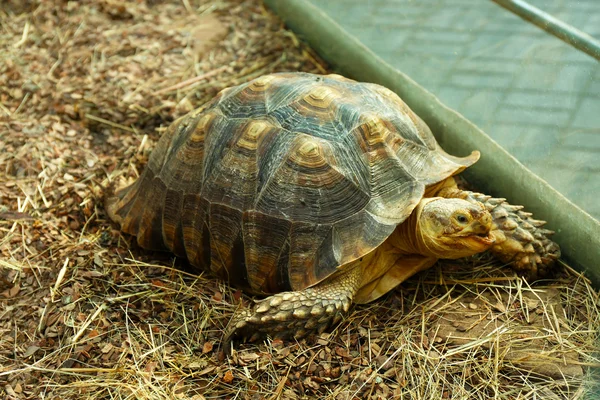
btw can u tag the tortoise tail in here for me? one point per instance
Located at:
(138, 209)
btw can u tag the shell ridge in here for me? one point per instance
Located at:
(262, 286)
(176, 141)
(291, 92)
(171, 213)
(355, 163)
(195, 209)
(210, 141)
(317, 244)
(286, 143)
(399, 162)
(351, 181)
(215, 249)
(408, 208)
(215, 173)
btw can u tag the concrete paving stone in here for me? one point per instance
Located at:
(348, 8)
(400, 10)
(473, 63)
(594, 87)
(442, 36)
(469, 19)
(527, 143)
(447, 52)
(480, 80)
(511, 25)
(576, 160)
(579, 140)
(503, 46)
(445, 18)
(567, 54)
(390, 48)
(523, 98)
(455, 97)
(371, 35)
(585, 194)
(497, 19)
(592, 25)
(537, 76)
(552, 51)
(588, 115)
(532, 116)
(581, 184)
(575, 77)
(481, 108)
(383, 13)
(425, 69)
(487, 42)
(582, 188)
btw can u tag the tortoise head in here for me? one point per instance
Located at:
(454, 228)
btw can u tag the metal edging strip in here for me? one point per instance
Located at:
(497, 172)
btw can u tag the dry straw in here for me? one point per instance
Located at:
(86, 88)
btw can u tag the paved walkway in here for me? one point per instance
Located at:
(535, 95)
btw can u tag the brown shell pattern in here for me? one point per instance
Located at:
(277, 182)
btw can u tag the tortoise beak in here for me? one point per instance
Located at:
(487, 240)
(480, 230)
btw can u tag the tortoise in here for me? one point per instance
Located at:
(319, 192)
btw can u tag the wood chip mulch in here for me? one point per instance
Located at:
(86, 88)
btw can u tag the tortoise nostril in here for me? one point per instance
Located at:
(487, 219)
(481, 228)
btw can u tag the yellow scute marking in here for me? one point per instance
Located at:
(309, 149)
(321, 96)
(259, 84)
(308, 152)
(252, 133)
(200, 131)
(374, 129)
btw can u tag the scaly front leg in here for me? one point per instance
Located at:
(520, 239)
(294, 314)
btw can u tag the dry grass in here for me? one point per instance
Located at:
(85, 89)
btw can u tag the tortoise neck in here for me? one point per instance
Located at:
(408, 237)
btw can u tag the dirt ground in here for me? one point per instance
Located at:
(86, 88)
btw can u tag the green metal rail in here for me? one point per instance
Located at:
(554, 26)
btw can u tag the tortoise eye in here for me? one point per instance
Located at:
(462, 218)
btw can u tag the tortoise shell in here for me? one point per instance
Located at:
(277, 182)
